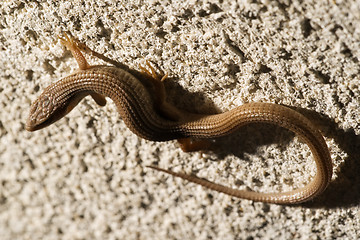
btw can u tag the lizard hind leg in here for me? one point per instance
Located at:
(193, 144)
(156, 80)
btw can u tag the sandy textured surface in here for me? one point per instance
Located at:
(85, 176)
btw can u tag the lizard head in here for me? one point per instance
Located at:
(42, 112)
(47, 109)
(53, 104)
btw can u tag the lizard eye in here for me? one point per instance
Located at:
(45, 102)
(40, 111)
(43, 107)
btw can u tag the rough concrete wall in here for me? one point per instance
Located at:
(85, 176)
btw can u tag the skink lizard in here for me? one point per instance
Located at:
(140, 101)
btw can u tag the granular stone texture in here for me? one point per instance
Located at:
(85, 176)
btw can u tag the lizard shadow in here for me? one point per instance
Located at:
(344, 191)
